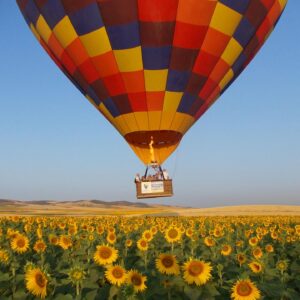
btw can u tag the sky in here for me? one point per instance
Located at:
(54, 145)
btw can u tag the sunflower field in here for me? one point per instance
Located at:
(240, 258)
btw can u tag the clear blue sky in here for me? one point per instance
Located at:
(55, 145)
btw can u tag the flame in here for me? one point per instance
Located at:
(151, 149)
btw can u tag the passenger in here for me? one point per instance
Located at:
(166, 175)
(137, 178)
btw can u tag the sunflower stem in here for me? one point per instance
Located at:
(77, 289)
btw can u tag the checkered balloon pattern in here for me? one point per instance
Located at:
(152, 67)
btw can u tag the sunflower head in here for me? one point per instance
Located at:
(65, 242)
(4, 256)
(257, 252)
(226, 250)
(142, 244)
(111, 238)
(241, 258)
(105, 255)
(256, 267)
(137, 280)
(53, 239)
(197, 271)
(167, 264)
(20, 243)
(36, 282)
(76, 274)
(39, 246)
(147, 235)
(245, 290)
(209, 242)
(128, 243)
(269, 248)
(116, 275)
(282, 265)
(173, 234)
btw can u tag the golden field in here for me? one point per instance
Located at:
(150, 257)
(96, 207)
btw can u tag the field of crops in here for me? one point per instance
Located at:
(241, 258)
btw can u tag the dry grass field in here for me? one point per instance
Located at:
(96, 207)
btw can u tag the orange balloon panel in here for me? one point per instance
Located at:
(152, 67)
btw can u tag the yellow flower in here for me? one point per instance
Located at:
(147, 235)
(36, 282)
(282, 265)
(65, 242)
(105, 255)
(53, 239)
(245, 290)
(128, 243)
(269, 248)
(167, 264)
(116, 275)
(4, 256)
(173, 234)
(226, 250)
(111, 238)
(76, 274)
(241, 258)
(255, 266)
(208, 241)
(136, 280)
(197, 271)
(39, 232)
(20, 243)
(253, 241)
(142, 244)
(189, 232)
(257, 253)
(39, 246)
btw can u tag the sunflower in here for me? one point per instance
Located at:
(76, 274)
(147, 235)
(105, 255)
(36, 282)
(197, 271)
(245, 290)
(20, 243)
(65, 242)
(189, 232)
(142, 244)
(253, 241)
(116, 275)
(269, 248)
(4, 256)
(111, 238)
(257, 253)
(282, 265)
(255, 266)
(39, 246)
(226, 250)
(209, 242)
(173, 234)
(53, 239)
(137, 280)
(241, 258)
(128, 243)
(39, 232)
(167, 264)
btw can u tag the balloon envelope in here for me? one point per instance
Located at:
(152, 67)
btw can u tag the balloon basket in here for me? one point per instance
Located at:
(154, 189)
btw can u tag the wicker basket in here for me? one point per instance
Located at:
(154, 189)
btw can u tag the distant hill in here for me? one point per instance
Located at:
(100, 207)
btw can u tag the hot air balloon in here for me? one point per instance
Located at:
(152, 67)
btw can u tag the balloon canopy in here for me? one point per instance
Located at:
(152, 67)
